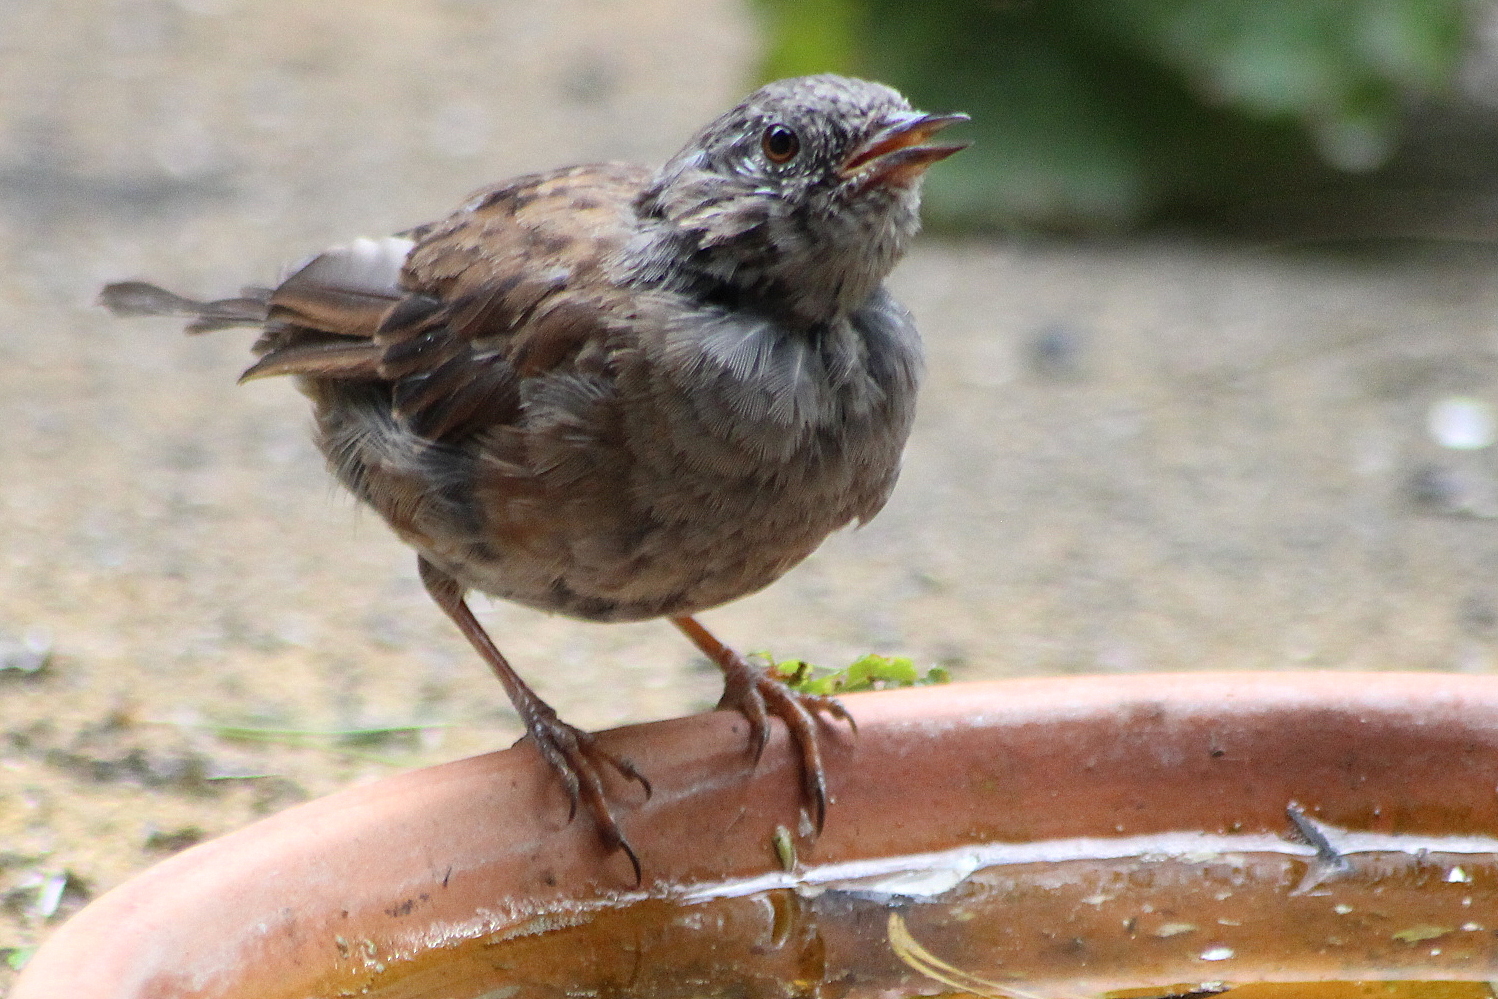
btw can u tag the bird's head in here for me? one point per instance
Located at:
(802, 198)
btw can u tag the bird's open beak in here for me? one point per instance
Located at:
(897, 153)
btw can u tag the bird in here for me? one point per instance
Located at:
(617, 393)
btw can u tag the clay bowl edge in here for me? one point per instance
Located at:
(314, 896)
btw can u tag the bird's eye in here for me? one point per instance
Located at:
(780, 144)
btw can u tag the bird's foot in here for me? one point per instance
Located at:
(757, 692)
(580, 761)
(575, 755)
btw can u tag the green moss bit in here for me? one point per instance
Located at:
(869, 672)
(785, 849)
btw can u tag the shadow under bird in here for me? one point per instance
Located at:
(619, 393)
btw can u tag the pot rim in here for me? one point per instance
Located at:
(481, 845)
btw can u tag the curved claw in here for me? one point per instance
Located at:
(579, 761)
(834, 707)
(634, 859)
(749, 701)
(800, 712)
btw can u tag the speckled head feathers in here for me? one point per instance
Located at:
(804, 195)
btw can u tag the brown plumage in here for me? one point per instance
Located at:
(618, 393)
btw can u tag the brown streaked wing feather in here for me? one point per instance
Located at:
(510, 286)
(341, 358)
(560, 334)
(461, 397)
(320, 320)
(416, 337)
(346, 290)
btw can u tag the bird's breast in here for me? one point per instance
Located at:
(715, 452)
(769, 436)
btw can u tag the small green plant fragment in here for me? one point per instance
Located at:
(869, 672)
(351, 743)
(785, 849)
(363, 736)
(175, 841)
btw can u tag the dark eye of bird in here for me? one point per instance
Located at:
(780, 144)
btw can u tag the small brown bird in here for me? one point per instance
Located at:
(617, 393)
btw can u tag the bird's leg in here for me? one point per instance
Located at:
(757, 693)
(572, 753)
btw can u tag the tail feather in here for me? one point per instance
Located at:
(137, 298)
(347, 289)
(320, 321)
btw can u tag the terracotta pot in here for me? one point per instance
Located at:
(1189, 773)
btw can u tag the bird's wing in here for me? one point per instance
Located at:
(454, 315)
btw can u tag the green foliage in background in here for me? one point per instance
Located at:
(1100, 113)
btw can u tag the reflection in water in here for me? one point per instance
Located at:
(909, 950)
(1073, 919)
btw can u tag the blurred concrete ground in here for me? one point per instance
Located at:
(1135, 456)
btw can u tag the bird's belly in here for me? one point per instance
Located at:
(678, 555)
